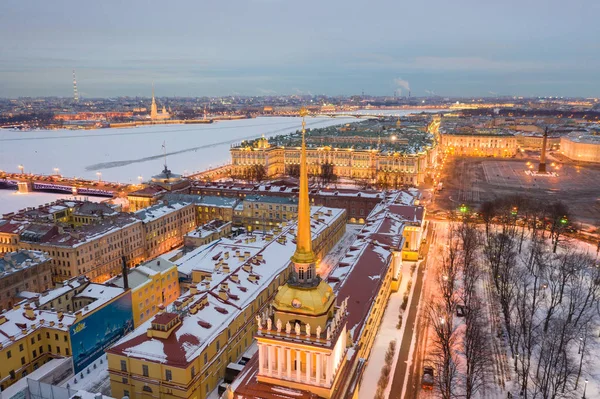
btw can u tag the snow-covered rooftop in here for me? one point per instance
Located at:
(19, 260)
(157, 211)
(235, 281)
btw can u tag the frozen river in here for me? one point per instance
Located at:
(124, 154)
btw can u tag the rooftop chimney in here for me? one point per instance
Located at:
(125, 270)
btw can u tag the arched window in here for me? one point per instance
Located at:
(309, 273)
(146, 388)
(301, 273)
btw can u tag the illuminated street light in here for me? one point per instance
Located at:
(393, 138)
(21, 168)
(140, 178)
(463, 208)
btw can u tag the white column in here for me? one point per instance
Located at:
(328, 371)
(298, 365)
(279, 361)
(271, 358)
(288, 369)
(261, 359)
(308, 366)
(319, 362)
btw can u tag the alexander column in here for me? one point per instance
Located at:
(542, 167)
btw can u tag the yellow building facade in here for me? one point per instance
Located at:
(412, 169)
(581, 147)
(154, 285)
(479, 145)
(25, 348)
(165, 225)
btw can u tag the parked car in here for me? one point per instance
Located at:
(427, 380)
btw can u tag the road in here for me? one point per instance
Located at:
(398, 381)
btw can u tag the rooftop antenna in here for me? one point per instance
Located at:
(75, 93)
(164, 147)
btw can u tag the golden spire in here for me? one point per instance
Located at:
(153, 109)
(304, 253)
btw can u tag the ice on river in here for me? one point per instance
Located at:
(124, 154)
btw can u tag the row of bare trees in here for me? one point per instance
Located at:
(537, 217)
(460, 349)
(549, 300)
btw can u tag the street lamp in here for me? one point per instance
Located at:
(99, 174)
(584, 389)
(21, 168)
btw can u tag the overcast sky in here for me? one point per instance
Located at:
(254, 47)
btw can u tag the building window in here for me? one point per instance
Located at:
(20, 347)
(146, 388)
(193, 371)
(126, 393)
(22, 360)
(168, 375)
(145, 371)
(9, 355)
(123, 365)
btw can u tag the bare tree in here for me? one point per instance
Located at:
(476, 348)
(443, 350)
(470, 241)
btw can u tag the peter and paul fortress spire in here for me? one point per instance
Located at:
(153, 109)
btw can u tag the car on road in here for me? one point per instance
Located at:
(427, 379)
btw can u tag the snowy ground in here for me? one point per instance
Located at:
(387, 332)
(124, 154)
(94, 380)
(12, 201)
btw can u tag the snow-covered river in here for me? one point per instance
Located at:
(124, 154)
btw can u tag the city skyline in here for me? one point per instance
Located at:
(265, 47)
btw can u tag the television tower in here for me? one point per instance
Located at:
(75, 93)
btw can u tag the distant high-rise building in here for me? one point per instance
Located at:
(75, 93)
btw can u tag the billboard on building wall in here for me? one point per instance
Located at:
(96, 332)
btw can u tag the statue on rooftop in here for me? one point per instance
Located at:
(278, 325)
(318, 332)
(297, 328)
(269, 324)
(308, 330)
(288, 327)
(259, 322)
